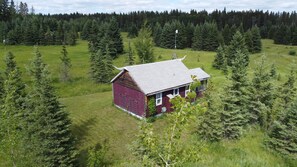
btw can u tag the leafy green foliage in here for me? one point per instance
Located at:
(144, 45)
(97, 155)
(152, 106)
(168, 149)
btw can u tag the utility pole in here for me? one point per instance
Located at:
(174, 56)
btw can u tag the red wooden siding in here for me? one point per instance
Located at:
(127, 95)
(165, 99)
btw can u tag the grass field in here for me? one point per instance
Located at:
(96, 119)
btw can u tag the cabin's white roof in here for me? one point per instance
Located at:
(199, 73)
(158, 76)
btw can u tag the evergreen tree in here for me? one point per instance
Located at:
(65, 65)
(12, 123)
(231, 116)
(197, 38)
(98, 72)
(227, 34)
(108, 66)
(157, 32)
(283, 133)
(282, 35)
(1, 89)
(144, 45)
(288, 89)
(249, 40)
(130, 57)
(132, 32)
(20, 86)
(114, 36)
(237, 44)
(273, 72)
(261, 95)
(10, 63)
(49, 127)
(294, 34)
(235, 103)
(256, 38)
(211, 127)
(220, 58)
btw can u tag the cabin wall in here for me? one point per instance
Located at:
(165, 100)
(127, 95)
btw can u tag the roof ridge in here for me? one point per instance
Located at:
(153, 63)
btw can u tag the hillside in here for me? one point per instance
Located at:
(96, 119)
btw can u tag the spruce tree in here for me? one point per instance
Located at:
(288, 90)
(144, 45)
(98, 72)
(65, 65)
(249, 40)
(157, 32)
(211, 126)
(108, 66)
(256, 38)
(10, 63)
(132, 31)
(49, 128)
(235, 115)
(273, 72)
(261, 94)
(237, 43)
(219, 61)
(20, 86)
(197, 38)
(283, 133)
(12, 123)
(1, 89)
(130, 57)
(231, 116)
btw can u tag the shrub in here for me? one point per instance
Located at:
(292, 52)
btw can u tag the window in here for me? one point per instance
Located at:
(175, 92)
(187, 90)
(158, 99)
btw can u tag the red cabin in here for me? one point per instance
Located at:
(135, 85)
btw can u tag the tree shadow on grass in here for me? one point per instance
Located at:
(82, 130)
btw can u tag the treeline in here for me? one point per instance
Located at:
(34, 30)
(280, 26)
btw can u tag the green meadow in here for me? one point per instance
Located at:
(95, 119)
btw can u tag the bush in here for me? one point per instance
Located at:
(292, 52)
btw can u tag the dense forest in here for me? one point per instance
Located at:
(19, 25)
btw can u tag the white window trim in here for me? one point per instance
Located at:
(187, 90)
(159, 99)
(174, 92)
